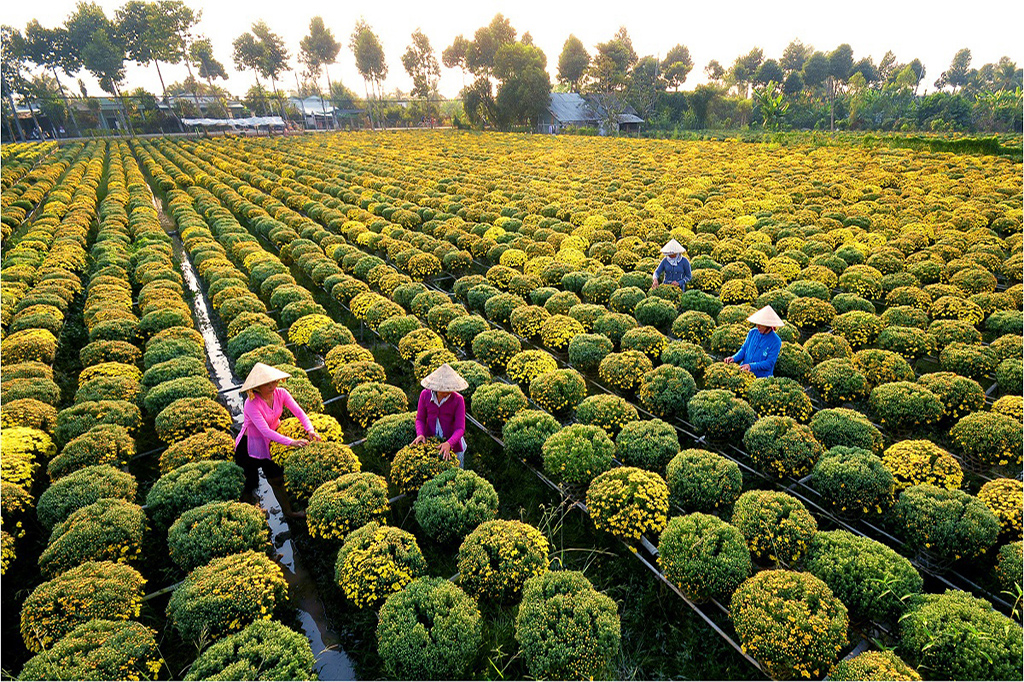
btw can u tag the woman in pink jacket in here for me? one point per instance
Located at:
(441, 412)
(261, 418)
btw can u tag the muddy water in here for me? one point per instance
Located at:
(332, 663)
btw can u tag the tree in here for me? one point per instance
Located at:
(421, 65)
(525, 88)
(273, 57)
(815, 70)
(840, 66)
(247, 54)
(613, 62)
(772, 105)
(794, 56)
(794, 84)
(645, 83)
(919, 71)
(958, 73)
(676, 66)
(316, 51)
(714, 71)
(768, 72)
(104, 59)
(744, 68)
(369, 54)
(487, 40)
(888, 68)
(200, 53)
(573, 63)
(11, 80)
(454, 56)
(48, 48)
(866, 68)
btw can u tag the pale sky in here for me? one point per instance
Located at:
(930, 31)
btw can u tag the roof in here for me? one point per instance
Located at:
(569, 107)
(626, 113)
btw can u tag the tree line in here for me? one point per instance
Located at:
(505, 77)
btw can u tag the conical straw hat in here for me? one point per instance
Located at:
(444, 378)
(767, 316)
(262, 374)
(673, 247)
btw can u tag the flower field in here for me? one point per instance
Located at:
(866, 497)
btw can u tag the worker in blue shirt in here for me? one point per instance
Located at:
(760, 350)
(674, 266)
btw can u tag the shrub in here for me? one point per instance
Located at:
(843, 426)
(777, 526)
(463, 329)
(524, 434)
(176, 368)
(558, 330)
(703, 481)
(719, 414)
(495, 348)
(949, 523)
(309, 467)
(193, 485)
(453, 503)
(162, 395)
(352, 374)
(1010, 567)
(41, 389)
(81, 488)
(348, 502)
(263, 650)
(904, 405)
(872, 580)
(1005, 498)
(909, 342)
(189, 416)
(95, 589)
(858, 327)
(391, 433)
(614, 326)
(494, 404)
(791, 622)
(959, 395)
(647, 444)
(646, 340)
(103, 444)
(499, 556)
(414, 465)
(99, 650)
(215, 530)
(565, 628)
(728, 339)
(705, 556)
(1010, 405)
(430, 630)
(824, 346)
(628, 502)
(779, 396)
(558, 391)
(781, 447)
(577, 454)
(912, 462)
(946, 332)
(874, 665)
(75, 420)
(809, 313)
(729, 376)
(225, 595)
(373, 400)
(666, 390)
(853, 481)
(882, 367)
(688, 356)
(377, 561)
(327, 337)
(586, 351)
(610, 412)
(957, 636)
(268, 355)
(527, 365)
(624, 370)
(108, 529)
(528, 320)
(1005, 322)
(698, 300)
(1010, 376)
(968, 359)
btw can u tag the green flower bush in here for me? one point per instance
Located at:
(838, 381)
(624, 370)
(391, 433)
(882, 366)
(80, 489)
(968, 359)
(103, 444)
(498, 557)
(874, 665)
(1010, 566)
(346, 503)
(558, 391)
(614, 326)
(99, 650)
(728, 339)
(872, 580)
(75, 420)
(777, 526)
(414, 465)
(1010, 376)
(688, 356)
(527, 365)
(453, 503)
(957, 636)
(647, 444)
(729, 376)
(108, 529)
(905, 405)
(193, 485)
(610, 412)
(791, 622)
(430, 630)
(189, 416)
(910, 342)
(702, 481)
(565, 628)
(494, 404)
(810, 313)
(781, 447)
(586, 351)
(858, 327)
(495, 348)
(705, 556)
(214, 530)
(263, 650)
(1005, 498)
(694, 327)
(779, 396)
(307, 468)
(577, 454)
(824, 346)
(373, 400)
(912, 462)
(666, 390)
(719, 414)
(225, 595)
(375, 562)
(853, 481)
(647, 340)
(949, 524)
(843, 426)
(628, 502)
(959, 395)
(524, 434)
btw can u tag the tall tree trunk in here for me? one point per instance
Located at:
(163, 89)
(195, 95)
(277, 96)
(263, 99)
(67, 104)
(35, 120)
(17, 123)
(330, 93)
(369, 108)
(302, 103)
(125, 116)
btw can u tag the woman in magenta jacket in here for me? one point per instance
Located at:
(441, 412)
(261, 416)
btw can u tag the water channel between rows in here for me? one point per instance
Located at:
(332, 663)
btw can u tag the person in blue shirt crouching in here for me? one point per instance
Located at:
(674, 266)
(760, 350)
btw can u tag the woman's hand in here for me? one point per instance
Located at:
(300, 443)
(745, 368)
(419, 439)
(727, 359)
(446, 451)
(313, 435)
